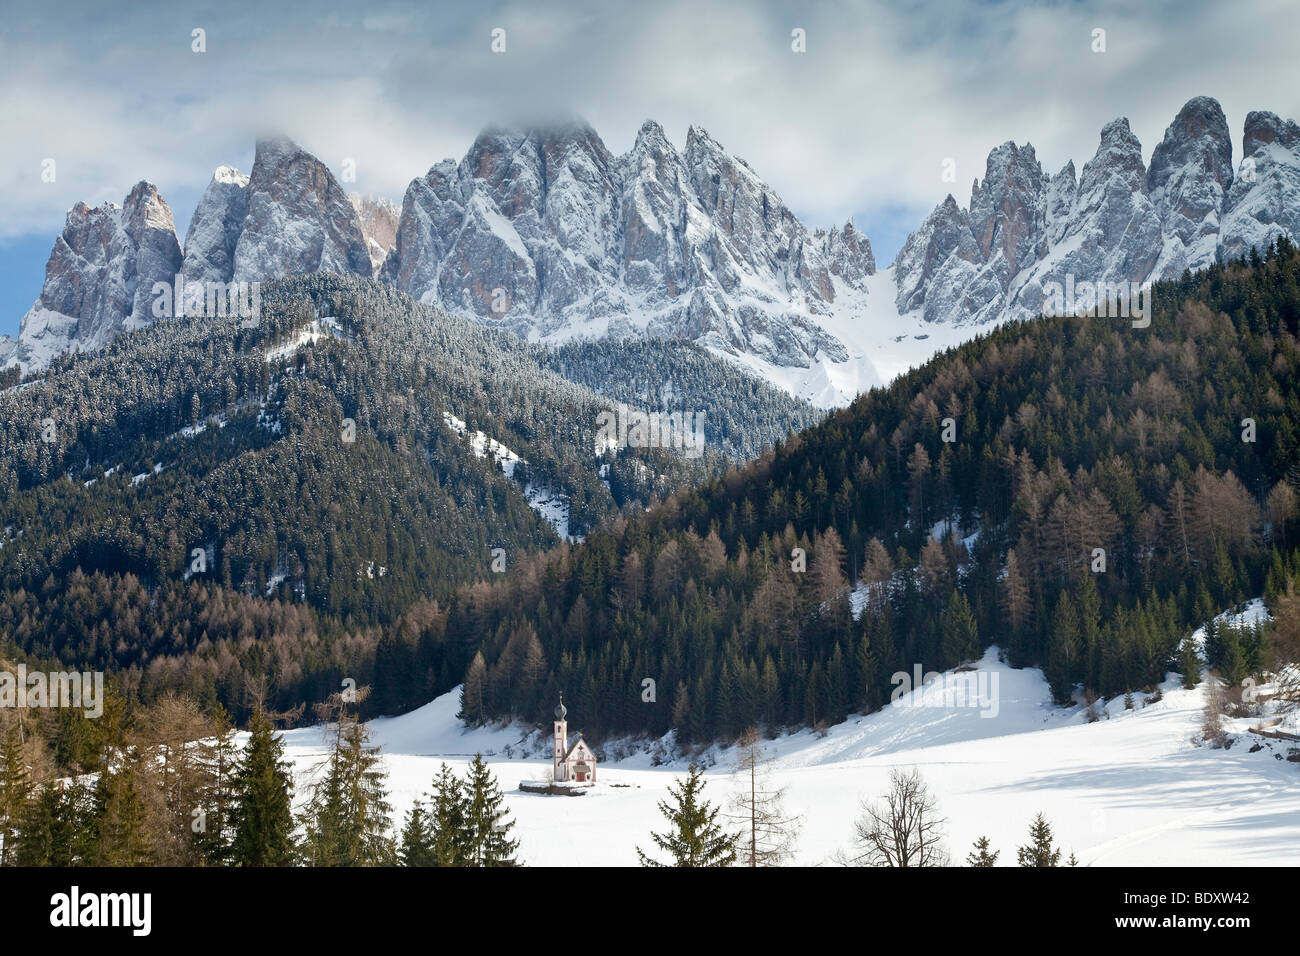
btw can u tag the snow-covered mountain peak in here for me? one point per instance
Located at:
(299, 220)
(1263, 127)
(100, 276)
(544, 232)
(1118, 157)
(1190, 174)
(229, 175)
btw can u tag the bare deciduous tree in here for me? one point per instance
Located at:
(1216, 702)
(903, 830)
(767, 832)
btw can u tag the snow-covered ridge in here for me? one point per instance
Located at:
(546, 233)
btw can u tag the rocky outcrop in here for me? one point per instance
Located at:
(546, 233)
(848, 253)
(100, 276)
(298, 221)
(1111, 234)
(1190, 174)
(1264, 200)
(378, 220)
(1121, 222)
(214, 232)
(288, 217)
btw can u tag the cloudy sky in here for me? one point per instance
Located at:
(858, 125)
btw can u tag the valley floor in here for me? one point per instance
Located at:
(1131, 788)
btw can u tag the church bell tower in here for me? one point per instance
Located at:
(561, 769)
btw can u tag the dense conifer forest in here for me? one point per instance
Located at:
(1104, 490)
(209, 505)
(1079, 492)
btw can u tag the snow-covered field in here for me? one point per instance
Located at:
(1131, 788)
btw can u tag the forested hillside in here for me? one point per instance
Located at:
(668, 376)
(210, 504)
(1111, 487)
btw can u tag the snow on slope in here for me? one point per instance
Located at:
(1131, 788)
(324, 327)
(551, 505)
(882, 345)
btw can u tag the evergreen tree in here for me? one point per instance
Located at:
(1039, 851)
(487, 822)
(694, 836)
(980, 855)
(58, 827)
(262, 797)
(15, 786)
(959, 634)
(1063, 650)
(347, 820)
(1232, 664)
(219, 759)
(447, 823)
(120, 817)
(417, 842)
(1189, 662)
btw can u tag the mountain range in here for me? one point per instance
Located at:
(547, 234)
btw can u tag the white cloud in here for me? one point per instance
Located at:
(858, 124)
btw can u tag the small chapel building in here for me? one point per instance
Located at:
(573, 763)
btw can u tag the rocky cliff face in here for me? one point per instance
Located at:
(848, 253)
(299, 220)
(377, 218)
(547, 233)
(1122, 222)
(289, 217)
(214, 232)
(959, 266)
(1264, 200)
(100, 276)
(1112, 232)
(1189, 178)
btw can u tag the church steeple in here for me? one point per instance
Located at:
(559, 766)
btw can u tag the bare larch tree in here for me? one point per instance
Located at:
(768, 832)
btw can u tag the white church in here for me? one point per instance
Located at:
(573, 763)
